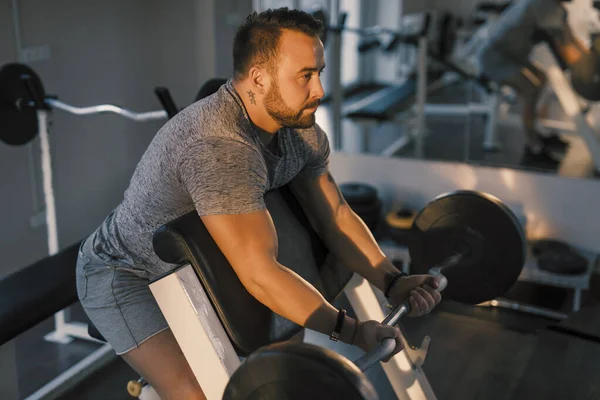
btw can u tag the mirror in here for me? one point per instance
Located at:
(404, 96)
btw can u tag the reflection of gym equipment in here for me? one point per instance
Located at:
(373, 37)
(465, 54)
(405, 102)
(584, 84)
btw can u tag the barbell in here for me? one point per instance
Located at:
(470, 238)
(394, 36)
(22, 93)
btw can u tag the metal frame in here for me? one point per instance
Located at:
(212, 358)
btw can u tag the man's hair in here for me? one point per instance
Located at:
(257, 39)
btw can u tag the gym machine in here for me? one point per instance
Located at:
(583, 87)
(216, 321)
(480, 250)
(406, 103)
(24, 114)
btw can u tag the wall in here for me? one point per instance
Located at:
(229, 14)
(101, 52)
(553, 206)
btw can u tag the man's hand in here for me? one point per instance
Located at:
(370, 334)
(421, 292)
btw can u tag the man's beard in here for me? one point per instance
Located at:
(284, 115)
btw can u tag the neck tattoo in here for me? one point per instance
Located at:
(252, 98)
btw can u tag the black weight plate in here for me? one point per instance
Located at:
(401, 219)
(541, 246)
(479, 224)
(562, 262)
(18, 126)
(298, 371)
(373, 209)
(358, 193)
(585, 76)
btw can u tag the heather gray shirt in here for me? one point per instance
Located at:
(208, 158)
(514, 35)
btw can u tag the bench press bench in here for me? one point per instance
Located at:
(386, 105)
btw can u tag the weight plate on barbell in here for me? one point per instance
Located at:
(19, 126)
(478, 225)
(298, 371)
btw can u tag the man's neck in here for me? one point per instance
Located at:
(266, 127)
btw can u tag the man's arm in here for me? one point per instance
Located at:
(249, 242)
(344, 233)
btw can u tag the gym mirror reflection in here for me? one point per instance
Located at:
(457, 82)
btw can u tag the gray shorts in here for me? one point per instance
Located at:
(117, 300)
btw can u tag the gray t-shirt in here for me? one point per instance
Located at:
(209, 158)
(515, 32)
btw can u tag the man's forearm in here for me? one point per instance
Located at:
(350, 240)
(289, 295)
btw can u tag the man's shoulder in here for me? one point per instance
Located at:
(216, 117)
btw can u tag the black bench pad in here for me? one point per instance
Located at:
(384, 104)
(248, 323)
(35, 293)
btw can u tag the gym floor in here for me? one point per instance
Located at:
(476, 352)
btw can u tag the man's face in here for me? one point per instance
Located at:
(295, 90)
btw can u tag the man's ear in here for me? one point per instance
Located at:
(259, 78)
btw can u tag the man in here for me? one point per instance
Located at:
(505, 59)
(220, 156)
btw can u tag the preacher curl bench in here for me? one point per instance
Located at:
(217, 322)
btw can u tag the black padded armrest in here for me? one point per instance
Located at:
(248, 323)
(37, 292)
(384, 104)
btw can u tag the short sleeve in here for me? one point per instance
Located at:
(318, 152)
(223, 176)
